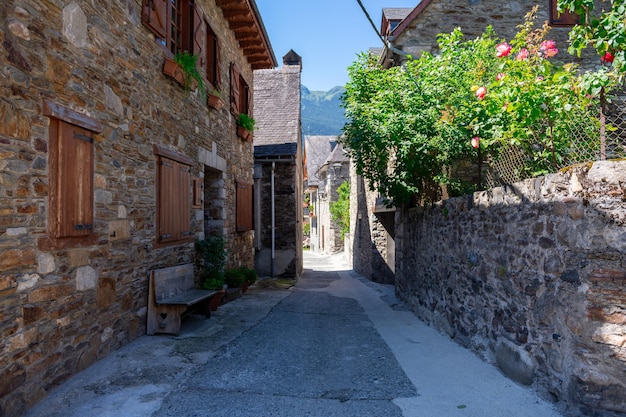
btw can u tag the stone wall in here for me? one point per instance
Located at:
(329, 230)
(531, 277)
(371, 242)
(62, 308)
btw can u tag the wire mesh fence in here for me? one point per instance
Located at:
(596, 134)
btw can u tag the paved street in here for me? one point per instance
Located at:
(333, 345)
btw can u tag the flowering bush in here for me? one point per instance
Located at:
(408, 126)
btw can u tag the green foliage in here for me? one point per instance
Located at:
(606, 32)
(306, 229)
(340, 209)
(211, 258)
(407, 126)
(236, 277)
(188, 64)
(246, 121)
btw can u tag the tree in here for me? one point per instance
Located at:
(340, 209)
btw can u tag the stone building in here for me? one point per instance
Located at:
(334, 171)
(278, 167)
(110, 169)
(413, 31)
(316, 151)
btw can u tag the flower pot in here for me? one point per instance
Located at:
(215, 102)
(216, 300)
(173, 70)
(244, 133)
(244, 286)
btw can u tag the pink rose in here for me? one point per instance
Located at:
(548, 49)
(481, 92)
(500, 76)
(503, 50)
(475, 142)
(522, 55)
(608, 57)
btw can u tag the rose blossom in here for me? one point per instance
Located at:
(503, 50)
(500, 76)
(522, 54)
(481, 92)
(608, 57)
(548, 48)
(475, 142)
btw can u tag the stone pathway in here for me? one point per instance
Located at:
(333, 345)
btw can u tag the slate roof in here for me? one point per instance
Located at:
(397, 13)
(317, 150)
(277, 109)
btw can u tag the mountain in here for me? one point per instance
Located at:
(322, 113)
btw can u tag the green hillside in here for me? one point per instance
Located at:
(322, 113)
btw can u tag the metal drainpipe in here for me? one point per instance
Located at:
(273, 223)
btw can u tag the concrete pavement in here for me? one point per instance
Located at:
(333, 345)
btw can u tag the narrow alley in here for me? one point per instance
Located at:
(333, 345)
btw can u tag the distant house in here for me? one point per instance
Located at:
(334, 171)
(111, 167)
(316, 152)
(278, 167)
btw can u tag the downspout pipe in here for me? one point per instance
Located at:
(273, 224)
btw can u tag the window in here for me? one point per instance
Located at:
(71, 195)
(239, 92)
(244, 207)
(212, 52)
(174, 24)
(173, 181)
(561, 19)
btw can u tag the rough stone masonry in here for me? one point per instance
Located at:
(532, 277)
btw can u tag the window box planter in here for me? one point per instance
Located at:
(215, 102)
(244, 133)
(173, 70)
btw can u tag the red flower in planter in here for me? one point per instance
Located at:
(481, 92)
(522, 54)
(475, 142)
(548, 49)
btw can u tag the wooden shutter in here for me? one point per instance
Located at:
(72, 186)
(174, 201)
(198, 37)
(561, 19)
(234, 90)
(244, 207)
(212, 57)
(154, 16)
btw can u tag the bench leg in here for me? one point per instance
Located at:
(164, 319)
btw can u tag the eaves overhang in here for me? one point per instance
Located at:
(245, 21)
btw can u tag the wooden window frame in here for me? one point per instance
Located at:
(71, 213)
(244, 207)
(173, 198)
(171, 23)
(564, 19)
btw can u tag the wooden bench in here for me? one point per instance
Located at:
(171, 292)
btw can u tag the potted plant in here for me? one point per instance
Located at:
(250, 277)
(245, 127)
(211, 258)
(234, 277)
(214, 99)
(182, 68)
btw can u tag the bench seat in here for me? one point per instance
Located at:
(171, 292)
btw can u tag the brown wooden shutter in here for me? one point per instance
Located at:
(218, 60)
(212, 57)
(154, 16)
(561, 19)
(234, 90)
(196, 189)
(198, 37)
(183, 202)
(74, 182)
(174, 201)
(167, 173)
(244, 207)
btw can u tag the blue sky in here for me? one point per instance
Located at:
(327, 34)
